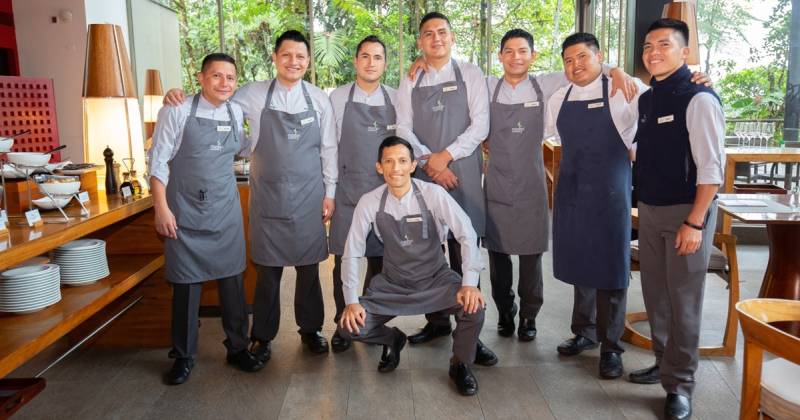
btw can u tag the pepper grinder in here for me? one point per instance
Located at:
(111, 180)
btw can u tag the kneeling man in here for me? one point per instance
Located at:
(412, 219)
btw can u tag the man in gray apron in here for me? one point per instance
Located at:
(292, 187)
(679, 168)
(591, 211)
(365, 116)
(198, 213)
(445, 116)
(411, 218)
(517, 216)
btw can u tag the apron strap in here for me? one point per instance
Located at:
(307, 96)
(497, 89)
(383, 200)
(268, 100)
(605, 92)
(423, 210)
(232, 118)
(386, 99)
(350, 95)
(459, 79)
(195, 101)
(536, 88)
(566, 97)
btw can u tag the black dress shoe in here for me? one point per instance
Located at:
(677, 407)
(261, 350)
(464, 379)
(484, 356)
(180, 371)
(391, 354)
(576, 345)
(610, 365)
(527, 329)
(315, 342)
(648, 375)
(505, 324)
(339, 343)
(429, 332)
(245, 361)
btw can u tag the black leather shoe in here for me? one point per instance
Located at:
(610, 365)
(315, 342)
(261, 350)
(180, 371)
(505, 324)
(245, 361)
(677, 407)
(484, 356)
(527, 329)
(464, 379)
(391, 354)
(339, 343)
(648, 375)
(576, 345)
(429, 332)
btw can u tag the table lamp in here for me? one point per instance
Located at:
(110, 106)
(153, 99)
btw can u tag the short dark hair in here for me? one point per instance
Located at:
(517, 33)
(433, 15)
(369, 39)
(676, 25)
(394, 141)
(291, 35)
(580, 38)
(207, 60)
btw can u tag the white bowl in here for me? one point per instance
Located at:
(60, 188)
(45, 203)
(5, 144)
(29, 158)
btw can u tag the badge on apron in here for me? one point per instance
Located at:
(391, 127)
(373, 128)
(519, 129)
(294, 135)
(449, 88)
(438, 107)
(531, 104)
(307, 121)
(595, 105)
(223, 128)
(666, 119)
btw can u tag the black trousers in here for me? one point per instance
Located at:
(185, 316)
(309, 309)
(530, 286)
(599, 315)
(374, 266)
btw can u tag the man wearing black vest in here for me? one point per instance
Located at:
(678, 172)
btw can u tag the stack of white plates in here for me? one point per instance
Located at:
(82, 261)
(29, 288)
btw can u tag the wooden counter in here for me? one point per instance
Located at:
(551, 153)
(134, 254)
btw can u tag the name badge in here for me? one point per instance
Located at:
(449, 88)
(223, 128)
(414, 219)
(215, 148)
(126, 192)
(83, 197)
(531, 104)
(307, 121)
(391, 127)
(595, 105)
(666, 119)
(33, 217)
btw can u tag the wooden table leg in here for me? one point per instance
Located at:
(730, 178)
(782, 279)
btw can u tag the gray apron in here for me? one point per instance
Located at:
(363, 129)
(441, 114)
(286, 189)
(203, 196)
(415, 277)
(517, 220)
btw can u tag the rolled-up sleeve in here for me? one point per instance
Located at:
(705, 122)
(166, 139)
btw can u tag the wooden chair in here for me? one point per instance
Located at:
(771, 388)
(724, 264)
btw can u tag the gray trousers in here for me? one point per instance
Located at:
(530, 287)
(599, 315)
(185, 316)
(309, 309)
(673, 288)
(465, 336)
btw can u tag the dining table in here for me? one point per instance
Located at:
(782, 219)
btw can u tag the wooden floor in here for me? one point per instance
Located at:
(531, 381)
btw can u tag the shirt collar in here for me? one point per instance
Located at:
(204, 103)
(405, 199)
(281, 88)
(595, 85)
(363, 93)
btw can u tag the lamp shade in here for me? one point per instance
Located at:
(153, 95)
(686, 11)
(108, 69)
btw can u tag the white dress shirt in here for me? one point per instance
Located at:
(624, 115)
(523, 92)
(339, 101)
(252, 97)
(477, 97)
(169, 131)
(705, 121)
(447, 215)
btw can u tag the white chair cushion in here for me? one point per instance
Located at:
(781, 378)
